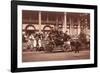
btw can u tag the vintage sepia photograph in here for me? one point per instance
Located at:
(52, 36)
(55, 36)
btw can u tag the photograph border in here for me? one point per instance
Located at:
(14, 39)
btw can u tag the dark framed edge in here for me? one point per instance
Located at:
(14, 5)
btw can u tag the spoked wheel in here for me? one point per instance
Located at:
(66, 48)
(49, 48)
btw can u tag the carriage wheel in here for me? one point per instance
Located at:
(48, 48)
(66, 48)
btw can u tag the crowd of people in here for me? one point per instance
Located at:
(48, 41)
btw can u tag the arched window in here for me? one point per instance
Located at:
(47, 28)
(30, 29)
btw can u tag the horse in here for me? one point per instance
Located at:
(75, 45)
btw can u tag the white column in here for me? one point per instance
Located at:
(79, 27)
(64, 24)
(47, 18)
(70, 26)
(56, 23)
(39, 21)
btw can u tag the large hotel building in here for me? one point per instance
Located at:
(40, 21)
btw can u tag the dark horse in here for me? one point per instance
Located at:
(75, 45)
